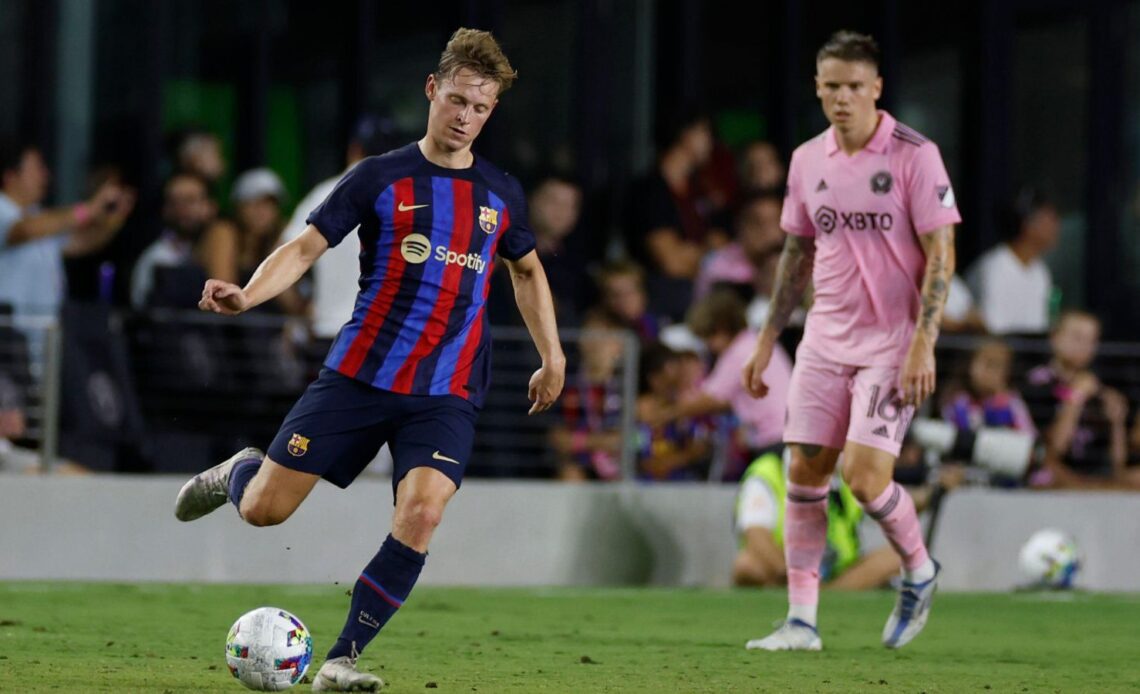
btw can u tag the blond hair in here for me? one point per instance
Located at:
(479, 52)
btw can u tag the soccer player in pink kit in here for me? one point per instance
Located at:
(870, 220)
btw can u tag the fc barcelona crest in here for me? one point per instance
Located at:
(298, 445)
(488, 219)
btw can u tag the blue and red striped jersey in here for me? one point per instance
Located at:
(428, 239)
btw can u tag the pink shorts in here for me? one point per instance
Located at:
(830, 404)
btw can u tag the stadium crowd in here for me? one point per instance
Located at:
(690, 278)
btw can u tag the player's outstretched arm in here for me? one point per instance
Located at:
(532, 294)
(918, 372)
(792, 277)
(276, 273)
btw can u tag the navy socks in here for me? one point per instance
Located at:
(381, 589)
(242, 472)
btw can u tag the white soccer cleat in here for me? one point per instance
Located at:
(341, 675)
(793, 635)
(209, 489)
(911, 610)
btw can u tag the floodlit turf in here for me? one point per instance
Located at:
(162, 638)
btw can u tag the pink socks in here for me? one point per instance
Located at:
(805, 538)
(894, 509)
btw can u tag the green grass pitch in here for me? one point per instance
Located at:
(169, 638)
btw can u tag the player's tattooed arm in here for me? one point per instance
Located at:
(939, 248)
(792, 277)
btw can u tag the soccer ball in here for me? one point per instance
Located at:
(268, 649)
(1050, 559)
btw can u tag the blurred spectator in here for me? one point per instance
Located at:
(16, 382)
(621, 285)
(33, 242)
(761, 168)
(961, 314)
(719, 320)
(1083, 421)
(1011, 283)
(670, 225)
(985, 399)
(554, 209)
(588, 441)
(232, 250)
(170, 271)
(985, 420)
(758, 237)
(200, 152)
(674, 449)
(336, 273)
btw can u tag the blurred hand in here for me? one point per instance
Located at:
(917, 377)
(1115, 405)
(225, 298)
(1085, 385)
(545, 387)
(951, 476)
(753, 372)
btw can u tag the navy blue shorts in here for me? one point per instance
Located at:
(339, 425)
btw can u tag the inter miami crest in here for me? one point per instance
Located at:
(881, 183)
(298, 446)
(488, 219)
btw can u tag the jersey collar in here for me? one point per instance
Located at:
(878, 142)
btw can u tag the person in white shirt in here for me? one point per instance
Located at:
(1011, 283)
(336, 272)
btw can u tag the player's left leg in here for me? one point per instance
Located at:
(430, 449)
(879, 422)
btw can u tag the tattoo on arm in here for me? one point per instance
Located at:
(939, 248)
(792, 277)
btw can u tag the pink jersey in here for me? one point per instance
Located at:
(865, 212)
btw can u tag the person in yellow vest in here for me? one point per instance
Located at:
(760, 528)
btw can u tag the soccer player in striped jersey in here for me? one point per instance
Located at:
(411, 366)
(870, 218)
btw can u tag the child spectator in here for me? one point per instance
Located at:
(986, 399)
(677, 449)
(1083, 421)
(588, 441)
(622, 288)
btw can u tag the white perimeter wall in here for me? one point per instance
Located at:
(503, 533)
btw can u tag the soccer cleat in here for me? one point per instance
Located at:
(911, 610)
(209, 489)
(793, 635)
(341, 675)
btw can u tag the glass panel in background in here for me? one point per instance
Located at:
(13, 45)
(1050, 126)
(1130, 216)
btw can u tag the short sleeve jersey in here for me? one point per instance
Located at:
(428, 238)
(865, 212)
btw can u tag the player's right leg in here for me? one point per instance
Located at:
(805, 540)
(264, 492)
(818, 413)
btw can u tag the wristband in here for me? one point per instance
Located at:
(82, 214)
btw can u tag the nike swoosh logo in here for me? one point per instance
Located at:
(408, 208)
(439, 456)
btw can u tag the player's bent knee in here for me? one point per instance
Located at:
(260, 513)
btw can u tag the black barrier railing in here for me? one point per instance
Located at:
(172, 391)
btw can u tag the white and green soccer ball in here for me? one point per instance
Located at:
(268, 649)
(1050, 559)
